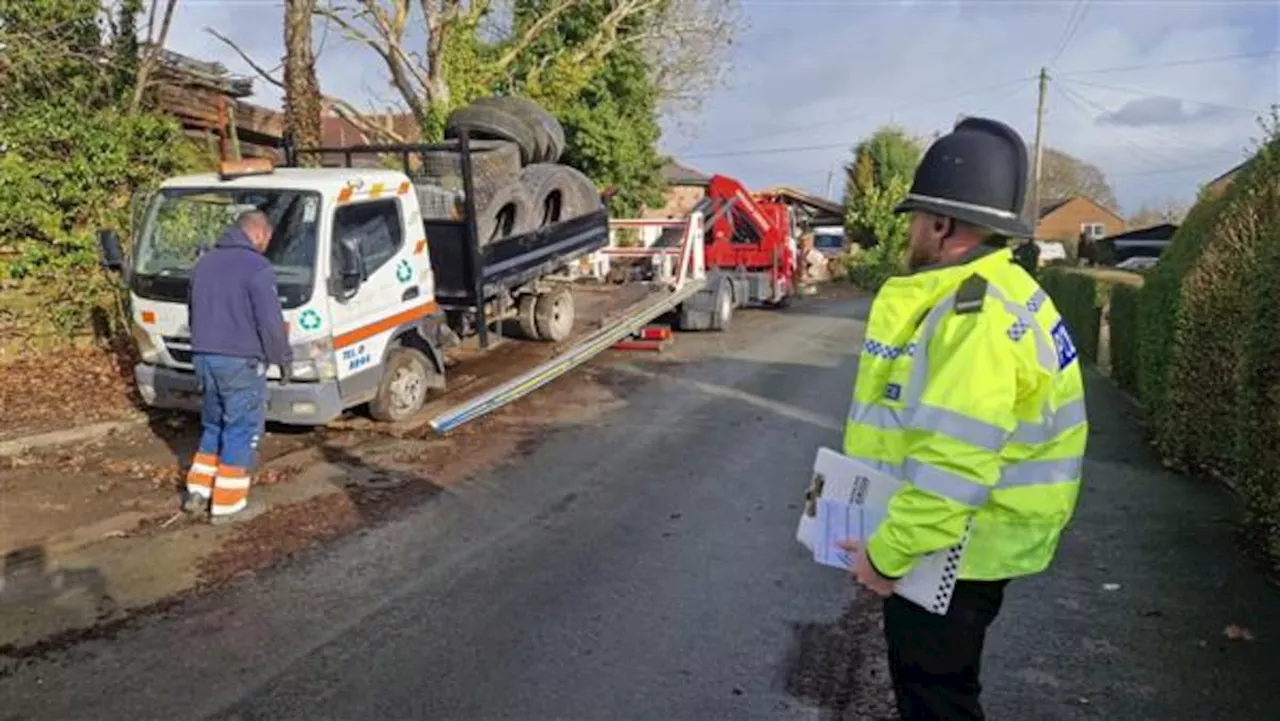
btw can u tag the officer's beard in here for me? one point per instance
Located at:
(920, 254)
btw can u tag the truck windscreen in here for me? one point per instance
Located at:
(181, 224)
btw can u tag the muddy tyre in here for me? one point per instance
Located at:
(491, 123)
(554, 315)
(494, 163)
(549, 131)
(559, 192)
(525, 316)
(722, 311)
(406, 376)
(509, 212)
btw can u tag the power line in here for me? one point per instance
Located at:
(845, 119)
(1170, 139)
(1078, 102)
(1151, 94)
(1073, 25)
(771, 151)
(1164, 171)
(1172, 63)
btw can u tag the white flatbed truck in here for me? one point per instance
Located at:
(373, 293)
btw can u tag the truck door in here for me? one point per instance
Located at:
(390, 296)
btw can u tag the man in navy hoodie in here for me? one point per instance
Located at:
(237, 328)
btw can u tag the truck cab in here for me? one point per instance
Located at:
(354, 276)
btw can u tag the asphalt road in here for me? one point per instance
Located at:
(644, 567)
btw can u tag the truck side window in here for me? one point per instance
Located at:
(377, 226)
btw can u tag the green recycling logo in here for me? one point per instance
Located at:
(309, 320)
(404, 271)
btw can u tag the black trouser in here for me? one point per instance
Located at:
(934, 660)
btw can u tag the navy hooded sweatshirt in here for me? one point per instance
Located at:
(234, 307)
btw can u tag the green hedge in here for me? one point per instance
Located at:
(1076, 297)
(1123, 338)
(1200, 343)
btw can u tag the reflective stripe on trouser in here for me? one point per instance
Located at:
(230, 491)
(204, 467)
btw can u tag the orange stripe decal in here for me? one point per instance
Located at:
(352, 337)
(420, 247)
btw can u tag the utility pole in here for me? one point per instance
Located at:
(1039, 149)
(831, 176)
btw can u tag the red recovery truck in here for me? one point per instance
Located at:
(749, 254)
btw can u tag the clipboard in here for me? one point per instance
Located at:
(849, 499)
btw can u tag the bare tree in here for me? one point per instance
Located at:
(687, 42)
(301, 88)
(340, 107)
(688, 47)
(1166, 211)
(1064, 176)
(156, 39)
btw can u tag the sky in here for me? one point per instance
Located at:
(1162, 95)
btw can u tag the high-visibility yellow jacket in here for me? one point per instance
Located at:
(969, 388)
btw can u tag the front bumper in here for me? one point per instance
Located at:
(295, 404)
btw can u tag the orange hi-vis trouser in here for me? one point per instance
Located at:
(226, 486)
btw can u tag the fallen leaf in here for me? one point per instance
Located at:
(1238, 633)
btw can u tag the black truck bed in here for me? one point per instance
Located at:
(467, 274)
(508, 262)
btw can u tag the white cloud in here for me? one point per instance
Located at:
(813, 76)
(867, 64)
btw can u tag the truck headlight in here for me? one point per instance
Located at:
(148, 351)
(314, 360)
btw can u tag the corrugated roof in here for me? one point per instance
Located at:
(676, 173)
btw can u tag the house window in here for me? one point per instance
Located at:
(1093, 231)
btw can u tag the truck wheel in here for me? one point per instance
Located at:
(559, 192)
(525, 316)
(551, 140)
(722, 312)
(509, 212)
(553, 315)
(406, 376)
(494, 124)
(494, 163)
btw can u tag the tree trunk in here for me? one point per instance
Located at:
(302, 102)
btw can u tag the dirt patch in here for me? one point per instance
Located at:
(841, 667)
(115, 486)
(386, 476)
(67, 388)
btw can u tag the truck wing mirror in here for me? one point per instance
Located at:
(350, 270)
(110, 251)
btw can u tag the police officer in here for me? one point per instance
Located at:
(968, 388)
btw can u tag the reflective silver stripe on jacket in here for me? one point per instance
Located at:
(988, 436)
(968, 492)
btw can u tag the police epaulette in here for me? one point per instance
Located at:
(970, 295)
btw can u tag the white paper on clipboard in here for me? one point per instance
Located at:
(849, 499)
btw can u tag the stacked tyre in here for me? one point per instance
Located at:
(519, 185)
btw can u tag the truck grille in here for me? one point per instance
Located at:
(179, 348)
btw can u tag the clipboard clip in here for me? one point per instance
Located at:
(812, 495)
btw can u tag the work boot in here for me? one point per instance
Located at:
(195, 504)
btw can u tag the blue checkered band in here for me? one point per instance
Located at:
(888, 352)
(1037, 300)
(1018, 329)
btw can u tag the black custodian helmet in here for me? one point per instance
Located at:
(977, 173)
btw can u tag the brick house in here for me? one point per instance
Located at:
(1219, 184)
(1067, 220)
(685, 187)
(336, 131)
